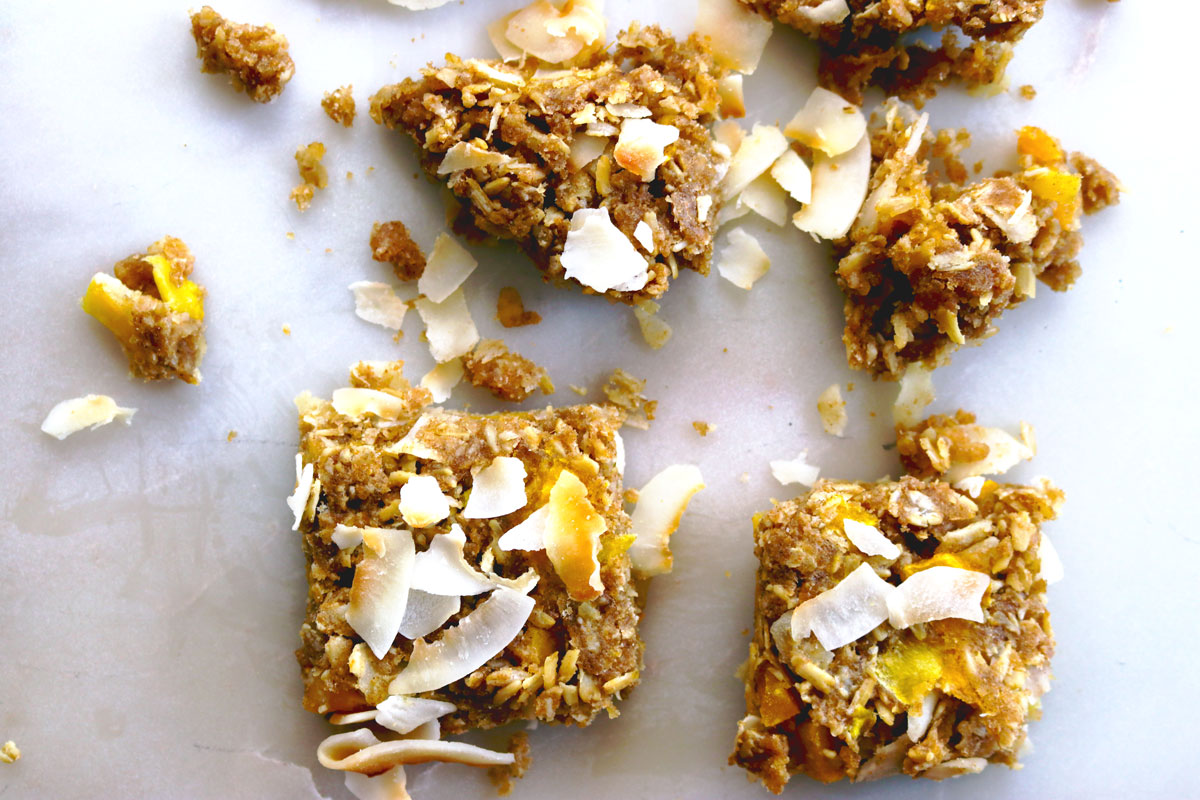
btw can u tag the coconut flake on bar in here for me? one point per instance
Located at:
(916, 392)
(497, 489)
(426, 612)
(938, 593)
(90, 411)
(1052, 567)
(448, 326)
(468, 155)
(869, 539)
(585, 149)
(443, 569)
(644, 236)
(379, 591)
(755, 155)
(794, 176)
(299, 500)
(422, 502)
(572, 537)
(832, 409)
(346, 537)
(446, 268)
(1005, 451)
(743, 260)
(918, 721)
(600, 256)
(351, 401)
(766, 198)
(847, 612)
(660, 505)
(404, 714)
(465, 647)
(441, 380)
(391, 785)
(839, 186)
(827, 123)
(361, 751)
(735, 34)
(377, 303)
(556, 34)
(529, 534)
(497, 34)
(795, 471)
(641, 146)
(826, 12)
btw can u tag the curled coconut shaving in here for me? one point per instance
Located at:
(361, 751)
(660, 506)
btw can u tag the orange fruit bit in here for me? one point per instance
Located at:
(1039, 146)
(776, 701)
(1062, 188)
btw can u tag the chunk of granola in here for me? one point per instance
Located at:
(339, 105)
(507, 375)
(312, 173)
(392, 244)
(254, 56)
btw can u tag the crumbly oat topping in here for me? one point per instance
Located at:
(937, 699)
(312, 173)
(625, 391)
(339, 105)
(507, 375)
(931, 263)
(538, 121)
(392, 244)
(953, 447)
(154, 310)
(254, 56)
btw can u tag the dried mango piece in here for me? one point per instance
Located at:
(776, 698)
(1039, 146)
(1061, 188)
(185, 297)
(110, 302)
(909, 670)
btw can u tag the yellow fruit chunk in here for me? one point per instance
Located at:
(1061, 188)
(185, 298)
(614, 546)
(110, 302)
(909, 671)
(940, 560)
(848, 509)
(572, 537)
(776, 701)
(862, 718)
(542, 642)
(1039, 146)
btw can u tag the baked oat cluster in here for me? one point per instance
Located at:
(154, 310)
(604, 171)
(933, 261)
(507, 375)
(900, 627)
(869, 42)
(952, 447)
(254, 56)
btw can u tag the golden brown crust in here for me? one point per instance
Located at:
(507, 375)
(392, 244)
(254, 56)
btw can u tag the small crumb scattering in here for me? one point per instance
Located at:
(287, 330)
(231, 436)
(254, 56)
(9, 752)
(510, 309)
(654, 330)
(703, 428)
(507, 375)
(339, 105)
(1028, 92)
(392, 244)
(625, 391)
(312, 173)
(579, 390)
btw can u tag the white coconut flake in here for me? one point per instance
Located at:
(530, 534)
(869, 539)
(832, 409)
(1052, 567)
(586, 149)
(839, 186)
(827, 123)
(497, 489)
(419, 5)
(1005, 451)
(704, 205)
(443, 569)
(847, 612)
(361, 751)
(404, 714)
(628, 110)
(918, 721)
(441, 380)
(448, 326)
(754, 156)
(916, 392)
(644, 236)
(826, 12)
(660, 506)
(938, 593)
(619, 454)
(411, 444)
(347, 537)
(556, 33)
(468, 155)
(467, 646)
(379, 592)
(298, 500)
(641, 147)
(351, 401)
(734, 33)
(89, 411)
(794, 176)
(766, 198)
(391, 785)
(426, 612)
(378, 304)
(600, 256)
(422, 502)
(496, 32)
(972, 486)
(743, 261)
(447, 267)
(795, 471)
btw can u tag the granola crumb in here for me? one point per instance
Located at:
(510, 309)
(625, 391)
(9, 752)
(339, 105)
(579, 390)
(507, 375)
(1027, 92)
(254, 56)
(392, 244)
(291, 237)
(287, 330)
(505, 778)
(349, 175)
(704, 428)
(229, 437)
(312, 173)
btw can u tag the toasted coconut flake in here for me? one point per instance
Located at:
(446, 268)
(405, 714)
(354, 402)
(412, 443)
(654, 330)
(938, 593)
(557, 34)
(733, 99)
(1052, 566)
(498, 489)
(743, 260)
(585, 149)
(347, 537)
(427, 612)
(734, 33)
(644, 235)
(754, 156)
(869, 540)
(795, 471)
(356, 718)
(448, 326)
(642, 145)
(391, 785)
(443, 569)
(298, 501)
(832, 409)
(661, 503)
(919, 719)
(377, 303)
(469, 155)
(827, 123)
(572, 537)
(527, 535)
(847, 612)
(379, 593)
(766, 198)
(916, 392)
(360, 751)
(794, 176)
(441, 380)
(497, 34)
(839, 186)
(422, 503)
(90, 411)
(600, 256)
(1004, 453)
(467, 646)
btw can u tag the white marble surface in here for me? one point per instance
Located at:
(150, 590)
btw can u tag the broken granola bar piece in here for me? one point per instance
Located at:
(952, 447)
(254, 56)
(155, 312)
(931, 264)
(899, 627)
(570, 163)
(392, 244)
(312, 173)
(507, 375)
(339, 105)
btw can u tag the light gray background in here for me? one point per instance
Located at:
(150, 590)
